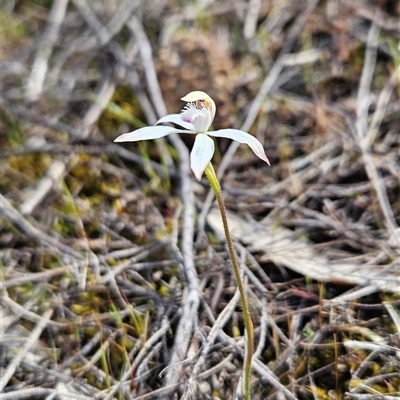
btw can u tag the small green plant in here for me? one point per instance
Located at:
(126, 116)
(196, 118)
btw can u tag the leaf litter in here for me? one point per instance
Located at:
(115, 283)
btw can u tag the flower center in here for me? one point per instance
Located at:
(199, 114)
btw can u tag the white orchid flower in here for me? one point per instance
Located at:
(196, 118)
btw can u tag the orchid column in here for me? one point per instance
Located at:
(196, 118)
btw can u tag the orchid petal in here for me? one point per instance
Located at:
(201, 154)
(176, 119)
(147, 133)
(189, 113)
(243, 137)
(203, 121)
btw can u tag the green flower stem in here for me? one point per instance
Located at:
(212, 177)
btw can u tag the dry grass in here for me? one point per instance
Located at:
(115, 283)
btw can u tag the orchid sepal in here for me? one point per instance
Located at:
(242, 137)
(201, 154)
(147, 133)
